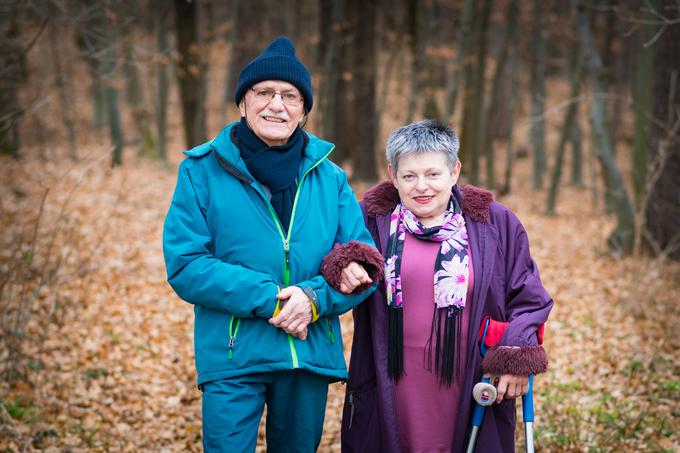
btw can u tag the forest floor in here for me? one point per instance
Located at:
(106, 359)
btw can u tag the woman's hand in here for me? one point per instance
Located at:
(353, 276)
(296, 314)
(510, 386)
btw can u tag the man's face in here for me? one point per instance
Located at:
(273, 119)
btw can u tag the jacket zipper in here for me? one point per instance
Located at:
(330, 331)
(232, 334)
(286, 244)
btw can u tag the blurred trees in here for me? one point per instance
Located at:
(505, 74)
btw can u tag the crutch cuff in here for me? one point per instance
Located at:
(517, 360)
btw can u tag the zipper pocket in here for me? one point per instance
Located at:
(331, 337)
(350, 401)
(232, 334)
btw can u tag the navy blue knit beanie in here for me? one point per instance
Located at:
(277, 62)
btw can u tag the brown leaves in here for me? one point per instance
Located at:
(115, 369)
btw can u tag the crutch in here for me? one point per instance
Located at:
(489, 334)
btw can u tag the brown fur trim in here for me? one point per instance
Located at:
(515, 360)
(383, 198)
(342, 254)
(475, 203)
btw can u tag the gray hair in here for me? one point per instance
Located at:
(422, 137)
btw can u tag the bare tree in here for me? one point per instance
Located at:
(622, 236)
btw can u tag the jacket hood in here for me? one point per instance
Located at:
(475, 202)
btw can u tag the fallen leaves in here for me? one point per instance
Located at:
(113, 368)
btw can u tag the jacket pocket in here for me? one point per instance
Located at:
(361, 430)
(234, 324)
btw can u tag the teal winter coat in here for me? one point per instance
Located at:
(227, 254)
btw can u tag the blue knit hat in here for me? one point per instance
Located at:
(277, 62)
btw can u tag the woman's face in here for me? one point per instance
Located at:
(272, 121)
(424, 183)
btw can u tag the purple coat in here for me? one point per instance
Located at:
(507, 287)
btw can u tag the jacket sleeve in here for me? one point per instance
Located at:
(195, 274)
(527, 305)
(353, 233)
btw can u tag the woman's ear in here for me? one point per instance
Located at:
(393, 174)
(242, 106)
(455, 173)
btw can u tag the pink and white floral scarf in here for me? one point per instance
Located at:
(451, 274)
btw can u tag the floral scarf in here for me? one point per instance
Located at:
(450, 288)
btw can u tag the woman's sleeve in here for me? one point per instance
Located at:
(352, 240)
(527, 305)
(196, 275)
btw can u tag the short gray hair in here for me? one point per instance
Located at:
(422, 137)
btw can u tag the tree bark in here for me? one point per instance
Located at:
(62, 90)
(462, 50)
(621, 238)
(568, 126)
(191, 71)
(538, 97)
(663, 209)
(163, 54)
(499, 76)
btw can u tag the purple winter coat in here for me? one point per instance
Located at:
(507, 287)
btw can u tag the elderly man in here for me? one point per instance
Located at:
(254, 213)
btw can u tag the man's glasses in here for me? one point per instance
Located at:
(287, 97)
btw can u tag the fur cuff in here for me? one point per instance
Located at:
(515, 360)
(343, 254)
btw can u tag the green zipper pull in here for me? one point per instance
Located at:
(330, 331)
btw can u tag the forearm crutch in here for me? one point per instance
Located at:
(484, 392)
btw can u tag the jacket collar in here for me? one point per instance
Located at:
(315, 151)
(475, 202)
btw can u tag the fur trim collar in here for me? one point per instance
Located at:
(383, 198)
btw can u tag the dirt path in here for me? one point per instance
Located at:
(117, 370)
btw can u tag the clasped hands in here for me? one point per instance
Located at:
(296, 313)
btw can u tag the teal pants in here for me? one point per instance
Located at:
(296, 405)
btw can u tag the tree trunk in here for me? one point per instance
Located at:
(230, 73)
(663, 209)
(135, 96)
(576, 139)
(642, 98)
(191, 71)
(163, 54)
(62, 91)
(621, 238)
(462, 50)
(538, 98)
(514, 89)
(567, 128)
(361, 124)
(332, 17)
(415, 43)
(499, 76)
(473, 111)
(12, 75)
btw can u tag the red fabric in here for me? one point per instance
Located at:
(496, 330)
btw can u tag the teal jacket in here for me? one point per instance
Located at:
(226, 253)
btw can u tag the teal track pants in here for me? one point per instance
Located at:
(296, 405)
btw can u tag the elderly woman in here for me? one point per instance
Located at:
(452, 256)
(254, 213)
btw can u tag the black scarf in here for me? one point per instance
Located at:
(274, 166)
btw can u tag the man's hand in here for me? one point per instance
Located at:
(510, 386)
(353, 276)
(296, 314)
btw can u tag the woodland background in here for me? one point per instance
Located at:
(568, 110)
